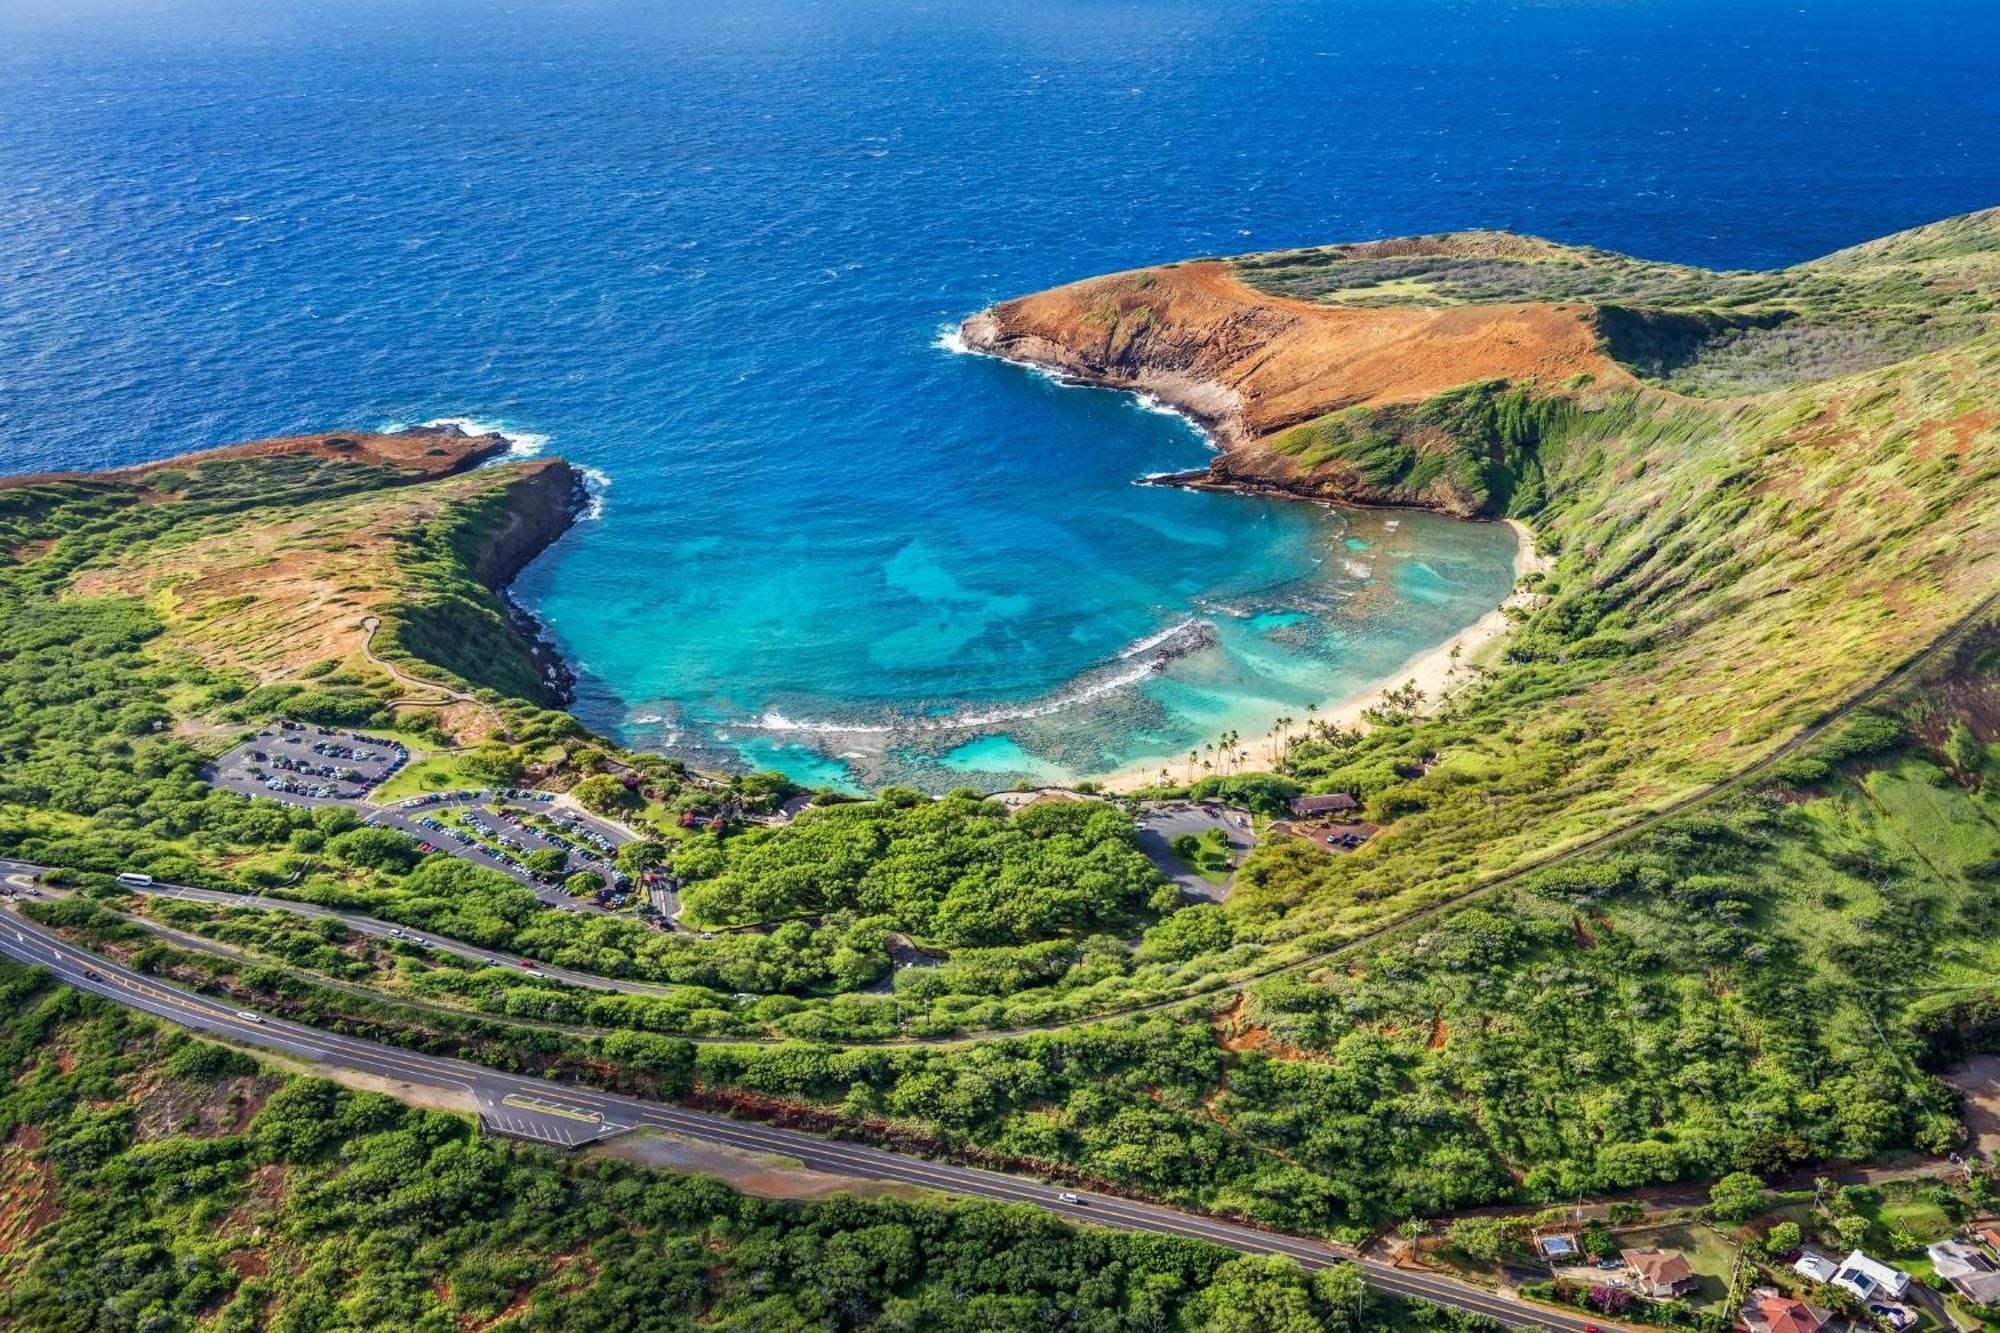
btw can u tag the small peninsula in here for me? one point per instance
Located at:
(1423, 371)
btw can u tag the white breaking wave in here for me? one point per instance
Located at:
(1152, 641)
(1083, 694)
(520, 443)
(773, 720)
(596, 481)
(1144, 656)
(951, 338)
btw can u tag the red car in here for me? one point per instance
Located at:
(528, 964)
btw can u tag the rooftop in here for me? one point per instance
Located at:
(1657, 1267)
(1782, 1314)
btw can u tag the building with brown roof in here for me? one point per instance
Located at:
(1332, 803)
(1771, 1311)
(1661, 1274)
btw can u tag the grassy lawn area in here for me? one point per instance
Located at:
(1209, 858)
(441, 773)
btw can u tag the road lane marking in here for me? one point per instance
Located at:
(527, 1103)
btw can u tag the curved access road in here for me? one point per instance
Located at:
(540, 1109)
(368, 925)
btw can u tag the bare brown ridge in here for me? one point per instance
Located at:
(1247, 364)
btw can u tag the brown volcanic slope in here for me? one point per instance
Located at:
(1249, 364)
(280, 583)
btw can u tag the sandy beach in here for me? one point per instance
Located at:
(1437, 671)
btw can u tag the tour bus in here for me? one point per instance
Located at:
(134, 878)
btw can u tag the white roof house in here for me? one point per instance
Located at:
(1816, 1266)
(1952, 1259)
(1870, 1278)
(1967, 1269)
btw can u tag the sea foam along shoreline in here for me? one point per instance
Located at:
(1211, 410)
(1168, 396)
(1437, 671)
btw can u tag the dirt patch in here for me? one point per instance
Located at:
(27, 1190)
(1252, 1037)
(247, 1263)
(29, 551)
(1962, 429)
(202, 1111)
(1440, 1034)
(1979, 1080)
(516, 1306)
(766, 1175)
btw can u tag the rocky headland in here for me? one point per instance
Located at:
(314, 535)
(1250, 367)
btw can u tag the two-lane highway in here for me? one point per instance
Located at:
(556, 1113)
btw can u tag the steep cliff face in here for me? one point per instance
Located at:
(540, 507)
(1252, 368)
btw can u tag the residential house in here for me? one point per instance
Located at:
(1660, 1274)
(1971, 1274)
(1871, 1279)
(1815, 1266)
(1333, 803)
(1771, 1311)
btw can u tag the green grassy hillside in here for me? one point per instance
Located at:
(1692, 330)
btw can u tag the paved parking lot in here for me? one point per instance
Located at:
(303, 764)
(549, 1120)
(1159, 825)
(309, 765)
(500, 830)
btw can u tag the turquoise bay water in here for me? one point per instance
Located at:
(706, 249)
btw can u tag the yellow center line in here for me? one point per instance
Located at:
(521, 1103)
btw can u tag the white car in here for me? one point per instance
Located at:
(246, 1016)
(1067, 1197)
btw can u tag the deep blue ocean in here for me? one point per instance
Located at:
(707, 250)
